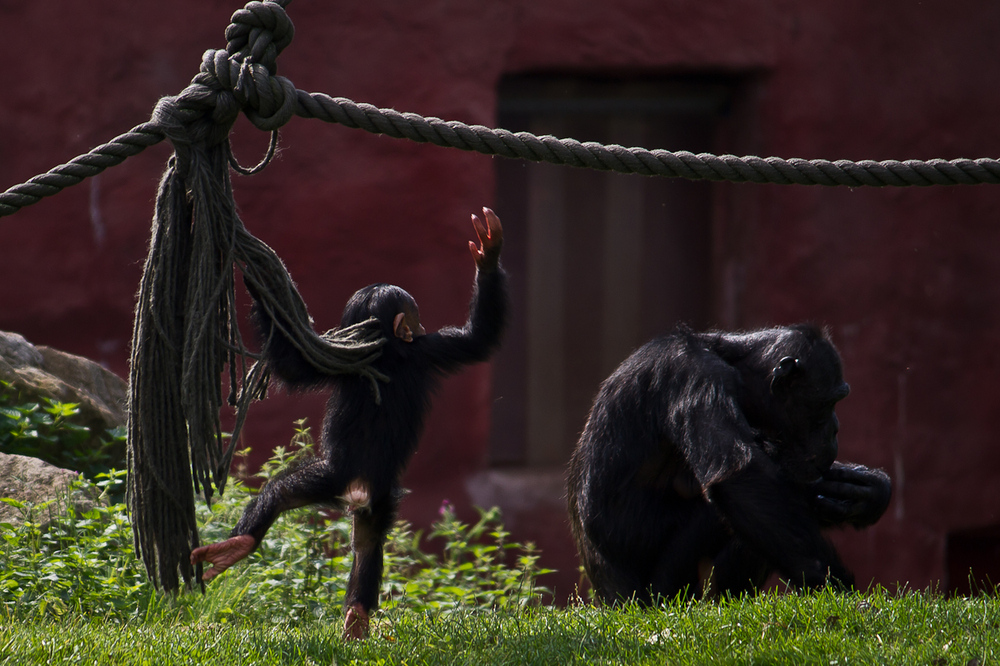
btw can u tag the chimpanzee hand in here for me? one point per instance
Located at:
(490, 238)
(851, 493)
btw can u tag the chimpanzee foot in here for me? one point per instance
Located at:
(356, 623)
(222, 555)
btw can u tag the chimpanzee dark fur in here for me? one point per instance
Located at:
(707, 462)
(363, 440)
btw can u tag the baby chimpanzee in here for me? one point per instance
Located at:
(366, 443)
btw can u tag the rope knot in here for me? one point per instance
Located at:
(239, 78)
(267, 100)
(255, 36)
(258, 33)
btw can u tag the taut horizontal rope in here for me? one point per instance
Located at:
(679, 164)
(524, 145)
(80, 168)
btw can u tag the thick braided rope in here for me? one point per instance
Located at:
(230, 80)
(524, 145)
(186, 332)
(680, 164)
(80, 168)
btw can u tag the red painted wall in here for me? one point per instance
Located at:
(906, 279)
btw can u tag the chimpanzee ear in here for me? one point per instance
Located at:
(786, 366)
(400, 329)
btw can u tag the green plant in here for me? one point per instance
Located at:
(477, 567)
(49, 430)
(301, 568)
(84, 563)
(79, 562)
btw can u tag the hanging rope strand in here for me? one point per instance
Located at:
(186, 335)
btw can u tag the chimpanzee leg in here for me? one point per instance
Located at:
(311, 483)
(613, 582)
(774, 521)
(685, 561)
(371, 525)
(738, 570)
(606, 548)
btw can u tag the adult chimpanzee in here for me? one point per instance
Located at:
(366, 444)
(707, 462)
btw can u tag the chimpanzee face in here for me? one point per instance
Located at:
(805, 387)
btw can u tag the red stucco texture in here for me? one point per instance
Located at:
(908, 281)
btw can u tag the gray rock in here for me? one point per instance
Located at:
(42, 372)
(35, 482)
(17, 351)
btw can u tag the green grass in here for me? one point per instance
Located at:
(72, 591)
(827, 628)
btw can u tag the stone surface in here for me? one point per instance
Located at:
(41, 372)
(35, 482)
(17, 352)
